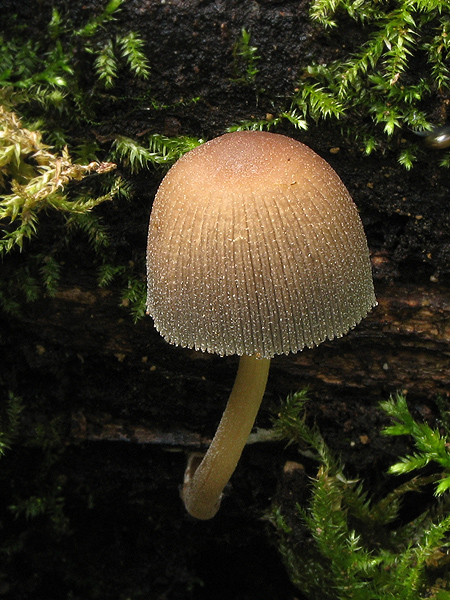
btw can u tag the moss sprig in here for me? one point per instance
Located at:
(94, 24)
(34, 179)
(270, 122)
(132, 283)
(157, 149)
(347, 545)
(380, 79)
(45, 497)
(396, 81)
(10, 418)
(128, 48)
(44, 77)
(432, 446)
(42, 182)
(245, 60)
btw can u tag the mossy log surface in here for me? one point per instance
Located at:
(128, 407)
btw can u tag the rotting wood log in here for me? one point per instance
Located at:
(404, 344)
(97, 428)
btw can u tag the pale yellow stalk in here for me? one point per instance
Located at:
(203, 486)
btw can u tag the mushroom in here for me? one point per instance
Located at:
(255, 248)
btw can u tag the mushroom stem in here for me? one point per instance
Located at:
(204, 482)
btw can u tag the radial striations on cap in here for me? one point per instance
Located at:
(255, 247)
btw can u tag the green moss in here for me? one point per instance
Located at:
(393, 80)
(9, 421)
(156, 149)
(245, 60)
(47, 175)
(35, 180)
(345, 544)
(43, 181)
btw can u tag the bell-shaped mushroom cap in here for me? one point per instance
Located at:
(255, 247)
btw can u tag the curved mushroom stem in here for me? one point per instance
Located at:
(204, 482)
